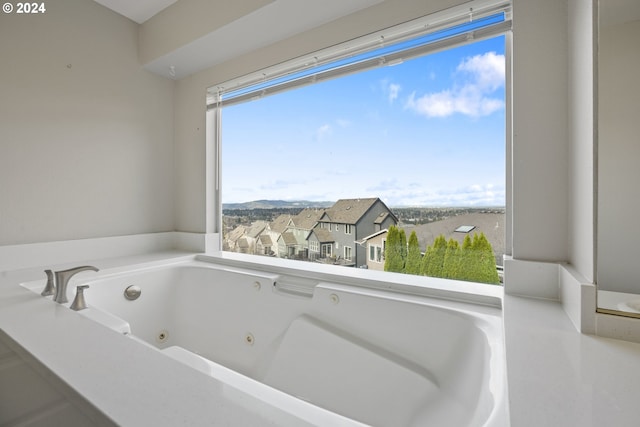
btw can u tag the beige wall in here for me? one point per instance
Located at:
(86, 135)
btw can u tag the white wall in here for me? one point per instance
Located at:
(619, 155)
(86, 135)
(540, 156)
(581, 134)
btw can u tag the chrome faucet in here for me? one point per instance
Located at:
(62, 280)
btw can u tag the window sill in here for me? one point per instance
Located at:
(469, 292)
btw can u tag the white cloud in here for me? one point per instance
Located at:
(323, 131)
(473, 195)
(482, 75)
(394, 89)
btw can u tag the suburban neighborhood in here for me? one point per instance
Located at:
(353, 232)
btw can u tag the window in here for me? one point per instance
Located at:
(326, 250)
(375, 253)
(347, 253)
(428, 109)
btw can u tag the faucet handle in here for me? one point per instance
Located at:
(50, 287)
(79, 302)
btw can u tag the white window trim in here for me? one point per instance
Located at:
(344, 252)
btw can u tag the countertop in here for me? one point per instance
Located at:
(557, 376)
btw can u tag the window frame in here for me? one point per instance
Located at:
(214, 163)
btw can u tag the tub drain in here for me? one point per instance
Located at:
(162, 336)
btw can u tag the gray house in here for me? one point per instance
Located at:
(350, 220)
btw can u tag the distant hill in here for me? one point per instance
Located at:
(276, 204)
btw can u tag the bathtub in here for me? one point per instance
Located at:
(375, 357)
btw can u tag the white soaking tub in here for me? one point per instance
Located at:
(377, 357)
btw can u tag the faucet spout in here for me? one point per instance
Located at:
(62, 280)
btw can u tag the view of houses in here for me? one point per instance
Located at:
(352, 232)
(325, 235)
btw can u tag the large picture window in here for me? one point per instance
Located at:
(410, 136)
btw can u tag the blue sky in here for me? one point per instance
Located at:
(427, 132)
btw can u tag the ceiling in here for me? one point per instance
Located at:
(137, 10)
(276, 21)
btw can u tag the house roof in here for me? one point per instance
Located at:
(265, 239)
(243, 243)
(308, 218)
(323, 235)
(383, 215)
(349, 211)
(236, 233)
(256, 228)
(289, 239)
(371, 236)
(280, 223)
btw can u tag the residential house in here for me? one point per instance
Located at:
(300, 227)
(274, 230)
(321, 243)
(349, 220)
(230, 241)
(374, 245)
(248, 243)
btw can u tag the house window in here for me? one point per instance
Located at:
(314, 246)
(326, 250)
(347, 253)
(436, 98)
(375, 253)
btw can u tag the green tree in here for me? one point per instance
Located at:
(436, 260)
(414, 258)
(393, 259)
(424, 264)
(402, 247)
(485, 261)
(466, 262)
(477, 261)
(452, 257)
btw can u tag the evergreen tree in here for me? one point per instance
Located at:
(478, 262)
(426, 259)
(414, 257)
(487, 272)
(393, 260)
(402, 247)
(437, 257)
(451, 262)
(465, 261)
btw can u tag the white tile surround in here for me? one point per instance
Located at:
(557, 375)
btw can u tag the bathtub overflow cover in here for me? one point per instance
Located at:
(132, 292)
